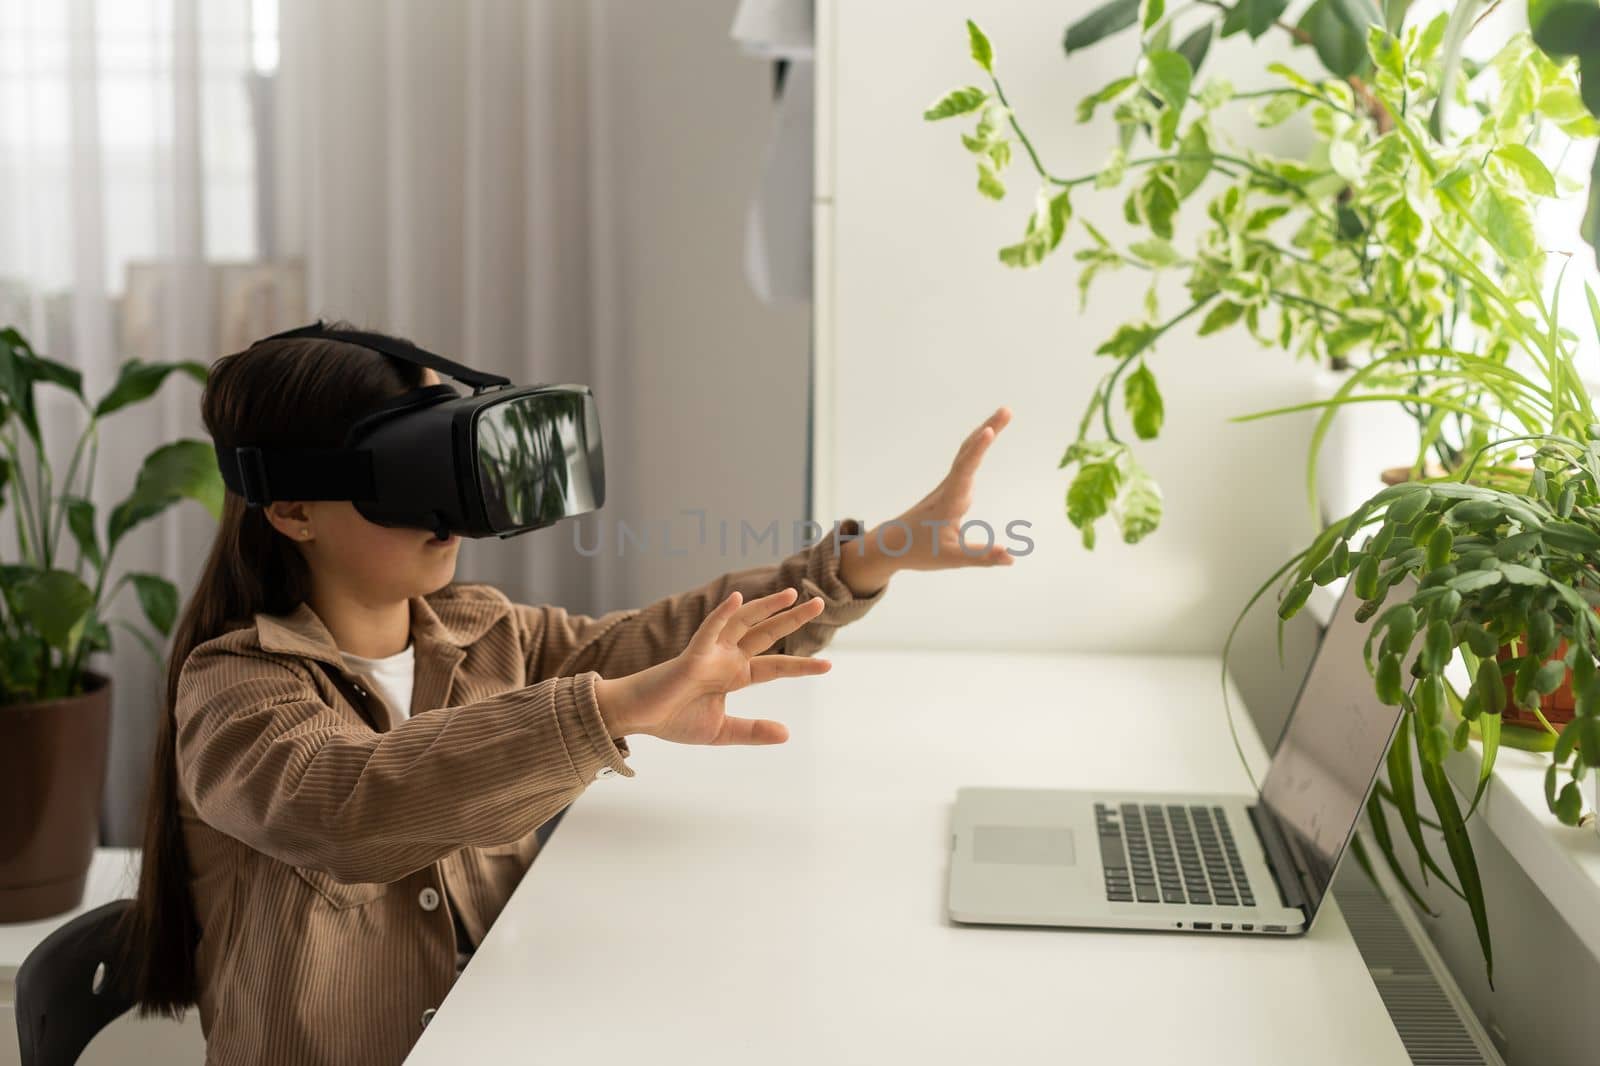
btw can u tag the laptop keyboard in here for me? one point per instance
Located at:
(1170, 854)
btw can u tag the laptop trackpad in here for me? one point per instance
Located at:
(1030, 845)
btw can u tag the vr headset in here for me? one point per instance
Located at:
(501, 461)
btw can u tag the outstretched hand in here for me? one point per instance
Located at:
(684, 698)
(927, 536)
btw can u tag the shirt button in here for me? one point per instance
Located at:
(429, 898)
(427, 1016)
(606, 771)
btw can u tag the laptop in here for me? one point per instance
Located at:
(1189, 862)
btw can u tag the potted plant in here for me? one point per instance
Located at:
(1404, 246)
(1495, 568)
(1373, 252)
(54, 710)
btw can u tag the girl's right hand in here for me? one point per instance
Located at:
(683, 699)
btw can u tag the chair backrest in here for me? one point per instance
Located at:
(65, 991)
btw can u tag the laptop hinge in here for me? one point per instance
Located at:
(1285, 871)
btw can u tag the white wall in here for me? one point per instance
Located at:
(925, 333)
(709, 407)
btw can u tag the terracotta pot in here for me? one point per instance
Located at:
(1558, 707)
(52, 775)
(1399, 475)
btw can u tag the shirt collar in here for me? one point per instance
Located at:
(302, 632)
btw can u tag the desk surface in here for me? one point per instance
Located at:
(785, 905)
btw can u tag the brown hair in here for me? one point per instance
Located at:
(298, 392)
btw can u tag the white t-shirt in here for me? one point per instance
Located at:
(391, 677)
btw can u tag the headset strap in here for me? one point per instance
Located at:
(403, 350)
(263, 475)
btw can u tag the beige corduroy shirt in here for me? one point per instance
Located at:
(335, 846)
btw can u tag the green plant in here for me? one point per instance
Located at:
(1406, 242)
(1511, 561)
(54, 617)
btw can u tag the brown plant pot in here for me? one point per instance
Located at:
(52, 774)
(1558, 707)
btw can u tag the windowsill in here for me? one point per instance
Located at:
(1564, 861)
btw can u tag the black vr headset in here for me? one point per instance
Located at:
(502, 461)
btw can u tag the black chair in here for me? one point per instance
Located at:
(65, 993)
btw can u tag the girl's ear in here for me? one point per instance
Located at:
(292, 519)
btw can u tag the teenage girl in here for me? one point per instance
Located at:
(356, 753)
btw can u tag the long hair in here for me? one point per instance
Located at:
(299, 392)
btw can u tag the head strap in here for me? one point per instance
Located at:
(402, 350)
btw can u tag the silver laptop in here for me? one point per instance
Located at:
(1211, 863)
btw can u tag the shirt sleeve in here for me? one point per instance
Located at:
(626, 641)
(263, 757)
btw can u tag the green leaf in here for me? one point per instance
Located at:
(1384, 50)
(159, 598)
(1252, 16)
(1195, 46)
(1459, 846)
(1153, 10)
(1155, 252)
(1086, 106)
(989, 183)
(1589, 80)
(982, 52)
(1564, 27)
(1128, 340)
(57, 605)
(1591, 224)
(1403, 791)
(1338, 34)
(138, 380)
(1529, 167)
(1490, 686)
(1143, 398)
(185, 469)
(1220, 317)
(1194, 161)
(1167, 74)
(956, 102)
(1101, 22)
(1090, 494)
(1139, 507)
(80, 519)
(1380, 834)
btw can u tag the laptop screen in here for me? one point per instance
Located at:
(1332, 747)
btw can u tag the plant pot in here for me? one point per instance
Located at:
(1558, 707)
(52, 775)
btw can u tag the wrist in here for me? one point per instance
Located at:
(618, 704)
(863, 565)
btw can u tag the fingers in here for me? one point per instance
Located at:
(772, 667)
(715, 622)
(977, 444)
(756, 612)
(765, 635)
(980, 554)
(751, 731)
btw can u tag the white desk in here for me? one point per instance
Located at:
(785, 905)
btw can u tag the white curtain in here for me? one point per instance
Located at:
(128, 228)
(434, 171)
(178, 178)
(553, 189)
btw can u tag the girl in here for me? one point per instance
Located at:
(357, 753)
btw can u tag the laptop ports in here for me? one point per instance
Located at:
(1202, 925)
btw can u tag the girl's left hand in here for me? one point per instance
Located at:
(928, 535)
